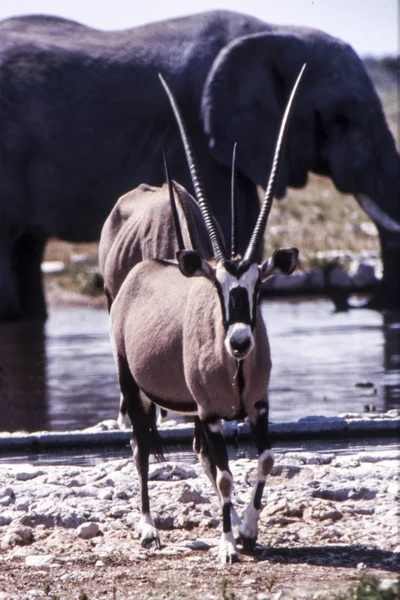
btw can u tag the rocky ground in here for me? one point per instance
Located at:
(68, 532)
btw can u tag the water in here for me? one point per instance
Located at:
(61, 376)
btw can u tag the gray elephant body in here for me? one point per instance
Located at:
(84, 120)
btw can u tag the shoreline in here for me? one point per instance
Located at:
(107, 433)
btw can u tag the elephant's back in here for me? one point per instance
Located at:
(163, 38)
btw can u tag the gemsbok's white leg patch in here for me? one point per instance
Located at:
(148, 531)
(249, 528)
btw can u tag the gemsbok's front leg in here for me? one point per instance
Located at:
(200, 446)
(224, 480)
(259, 428)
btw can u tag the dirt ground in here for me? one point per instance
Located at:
(276, 573)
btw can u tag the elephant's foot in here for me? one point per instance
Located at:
(148, 533)
(386, 298)
(227, 549)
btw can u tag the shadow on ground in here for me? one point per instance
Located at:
(334, 556)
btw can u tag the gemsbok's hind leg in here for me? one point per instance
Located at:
(259, 428)
(141, 412)
(200, 446)
(218, 457)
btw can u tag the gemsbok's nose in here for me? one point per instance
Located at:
(239, 340)
(240, 347)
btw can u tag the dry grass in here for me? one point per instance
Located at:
(65, 252)
(319, 218)
(315, 218)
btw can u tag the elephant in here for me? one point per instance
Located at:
(84, 120)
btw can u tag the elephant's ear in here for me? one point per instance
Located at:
(244, 98)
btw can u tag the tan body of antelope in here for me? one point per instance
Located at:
(141, 226)
(188, 336)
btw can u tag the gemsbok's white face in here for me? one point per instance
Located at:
(237, 283)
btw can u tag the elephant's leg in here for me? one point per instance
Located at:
(388, 296)
(10, 305)
(259, 429)
(27, 259)
(248, 207)
(217, 179)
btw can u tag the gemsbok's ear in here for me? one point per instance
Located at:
(282, 261)
(191, 264)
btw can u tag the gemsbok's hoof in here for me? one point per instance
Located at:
(227, 550)
(150, 537)
(149, 533)
(248, 543)
(248, 530)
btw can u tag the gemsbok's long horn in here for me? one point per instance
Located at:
(233, 205)
(174, 210)
(216, 242)
(269, 194)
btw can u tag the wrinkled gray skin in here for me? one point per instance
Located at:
(84, 119)
(141, 226)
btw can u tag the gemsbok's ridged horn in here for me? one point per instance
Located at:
(216, 242)
(174, 210)
(269, 194)
(233, 205)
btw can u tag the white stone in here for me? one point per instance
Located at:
(105, 494)
(87, 531)
(27, 473)
(190, 494)
(394, 488)
(49, 267)
(6, 501)
(38, 560)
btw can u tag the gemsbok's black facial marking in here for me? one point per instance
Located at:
(236, 268)
(239, 306)
(256, 295)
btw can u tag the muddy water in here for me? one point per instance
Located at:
(61, 376)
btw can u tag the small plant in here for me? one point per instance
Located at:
(368, 589)
(46, 588)
(225, 594)
(270, 582)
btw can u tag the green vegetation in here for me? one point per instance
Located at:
(225, 594)
(369, 588)
(47, 590)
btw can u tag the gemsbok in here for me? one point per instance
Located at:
(149, 222)
(188, 336)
